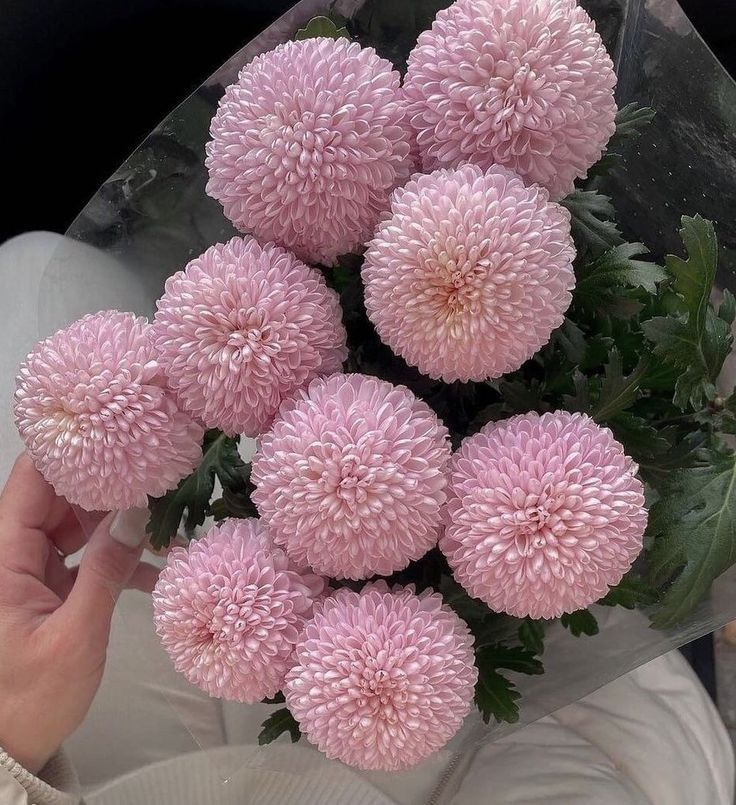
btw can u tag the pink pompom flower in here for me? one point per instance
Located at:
(469, 273)
(95, 413)
(229, 609)
(351, 478)
(382, 678)
(308, 144)
(243, 326)
(522, 83)
(544, 514)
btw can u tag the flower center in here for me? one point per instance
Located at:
(382, 689)
(534, 520)
(458, 273)
(236, 613)
(348, 479)
(254, 336)
(518, 98)
(300, 138)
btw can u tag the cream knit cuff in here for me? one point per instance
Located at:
(56, 783)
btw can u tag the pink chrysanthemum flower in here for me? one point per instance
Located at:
(351, 478)
(242, 327)
(522, 83)
(229, 610)
(469, 273)
(544, 514)
(382, 679)
(308, 144)
(94, 410)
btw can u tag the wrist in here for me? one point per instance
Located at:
(32, 759)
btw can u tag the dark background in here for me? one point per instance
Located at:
(83, 81)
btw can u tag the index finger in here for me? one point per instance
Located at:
(29, 508)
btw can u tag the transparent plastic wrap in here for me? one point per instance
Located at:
(153, 215)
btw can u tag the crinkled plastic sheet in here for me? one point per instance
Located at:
(153, 215)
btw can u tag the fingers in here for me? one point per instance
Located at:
(29, 508)
(144, 578)
(108, 565)
(28, 501)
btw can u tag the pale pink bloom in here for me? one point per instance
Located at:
(382, 678)
(544, 514)
(229, 610)
(308, 144)
(351, 478)
(243, 326)
(522, 83)
(469, 273)
(94, 410)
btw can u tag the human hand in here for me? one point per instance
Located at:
(54, 620)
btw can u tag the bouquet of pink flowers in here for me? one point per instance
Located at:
(478, 409)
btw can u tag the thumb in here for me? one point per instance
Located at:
(108, 564)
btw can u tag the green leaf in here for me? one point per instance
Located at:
(616, 268)
(321, 26)
(727, 309)
(582, 622)
(697, 344)
(572, 341)
(631, 592)
(593, 227)
(496, 696)
(631, 120)
(684, 453)
(618, 391)
(693, 525)
(580, 400)
(531, 635)
(511, 658)
(694, 277)
(276, 724)
(467, 608)
(220, 458)
(643, 441)
(520, 396)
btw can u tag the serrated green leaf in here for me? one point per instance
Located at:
(220, 458)
(618, 391)
(520, 396)
(496, 696)
(693, 526)
(592, 222)
(467, 608)
(616, 268)
(631, 120)
(572, 341)
(531, 635)
(698, 356)
(582, 622)
(643, 441)
(631, 592)
(510, 658)
(278, 723)
(579, 401)
(694, 277)
(697, 344)
(684, 452)
(321, 26)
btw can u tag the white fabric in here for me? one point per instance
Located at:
(650, 737)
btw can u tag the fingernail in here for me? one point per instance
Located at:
(129, 527)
